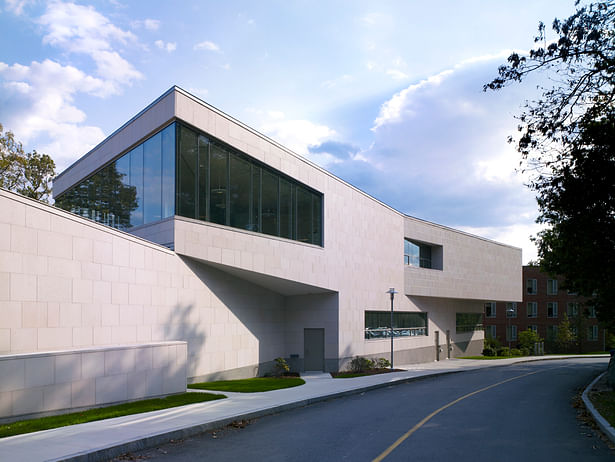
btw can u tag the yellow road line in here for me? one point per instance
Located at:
(405, 436)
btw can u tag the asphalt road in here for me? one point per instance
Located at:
(515, 413)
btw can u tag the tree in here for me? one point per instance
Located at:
(565, 338)
(28, 173)
(566, 143)
(528, 338)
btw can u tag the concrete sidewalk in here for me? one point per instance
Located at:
(105, 439)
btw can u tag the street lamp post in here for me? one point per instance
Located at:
(391, 291)
(509, 313)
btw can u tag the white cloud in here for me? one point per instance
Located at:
(440, 153)
(151, 24)
(396, 74)
(168, 46)
(37, 101)
(297, 135)
(82, 30)
(392, 110)
(207, 45)
(38, 104)
(17, 6)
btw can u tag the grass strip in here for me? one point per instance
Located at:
(604, 402)
(90, 415)
(490, 357)
(256, 384)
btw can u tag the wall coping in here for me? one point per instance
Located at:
(97, 349)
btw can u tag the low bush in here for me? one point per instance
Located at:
(525, 351)
(516, 352)
(281, 367)
(503, 351)
(361, 364)
(489, 351)
(383, 363)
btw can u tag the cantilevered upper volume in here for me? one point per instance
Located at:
(248, 252)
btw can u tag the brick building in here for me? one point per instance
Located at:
(544, 304)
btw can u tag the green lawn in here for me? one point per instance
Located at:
(252, 385)
(118, 410)
(604, 402)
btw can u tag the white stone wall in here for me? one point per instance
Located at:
(67, 282)
(34, 383)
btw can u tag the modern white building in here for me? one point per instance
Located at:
(218, 236)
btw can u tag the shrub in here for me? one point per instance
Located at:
(281, 367)
(503, 351)
(492, 343)
(361, 364)
(528, 338)
(525, 351)
(489, 351)
(383, 363)
(516, 352)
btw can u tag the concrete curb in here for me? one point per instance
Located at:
(606, 427)
(104, 454)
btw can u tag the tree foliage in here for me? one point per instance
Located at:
(28, 173)
(566, 140)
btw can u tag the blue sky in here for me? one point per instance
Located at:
(387, 95)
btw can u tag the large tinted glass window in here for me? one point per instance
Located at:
(203, 177)
(168, 171)
(255, 214)
(304, 215)
(240, 186)
(317, 219)
(269, 203)
(136, 180)
(186, 193)
(286, 209)
(152, 171)
(218, 188)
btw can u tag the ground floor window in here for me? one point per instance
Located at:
(592, 333)
(572, 309)
(551, 333)
(511, 333)
(490, 309)
(490, 332)
(469, 322)
(378, 324)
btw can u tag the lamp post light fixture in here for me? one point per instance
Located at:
(392, 291)
(509, 313)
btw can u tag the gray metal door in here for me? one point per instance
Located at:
(448, 344)
(314, 349)
(437, 336)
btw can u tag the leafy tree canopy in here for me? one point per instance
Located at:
(28, 173)
(566, 140)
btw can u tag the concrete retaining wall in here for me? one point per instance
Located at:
(43, 382)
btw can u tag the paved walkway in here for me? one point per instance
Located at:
(104, 439)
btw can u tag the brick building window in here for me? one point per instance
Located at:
(531, 287)
(490, 309)
(511, 310)
(551, 286)
(532, 309)
(552, 309)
